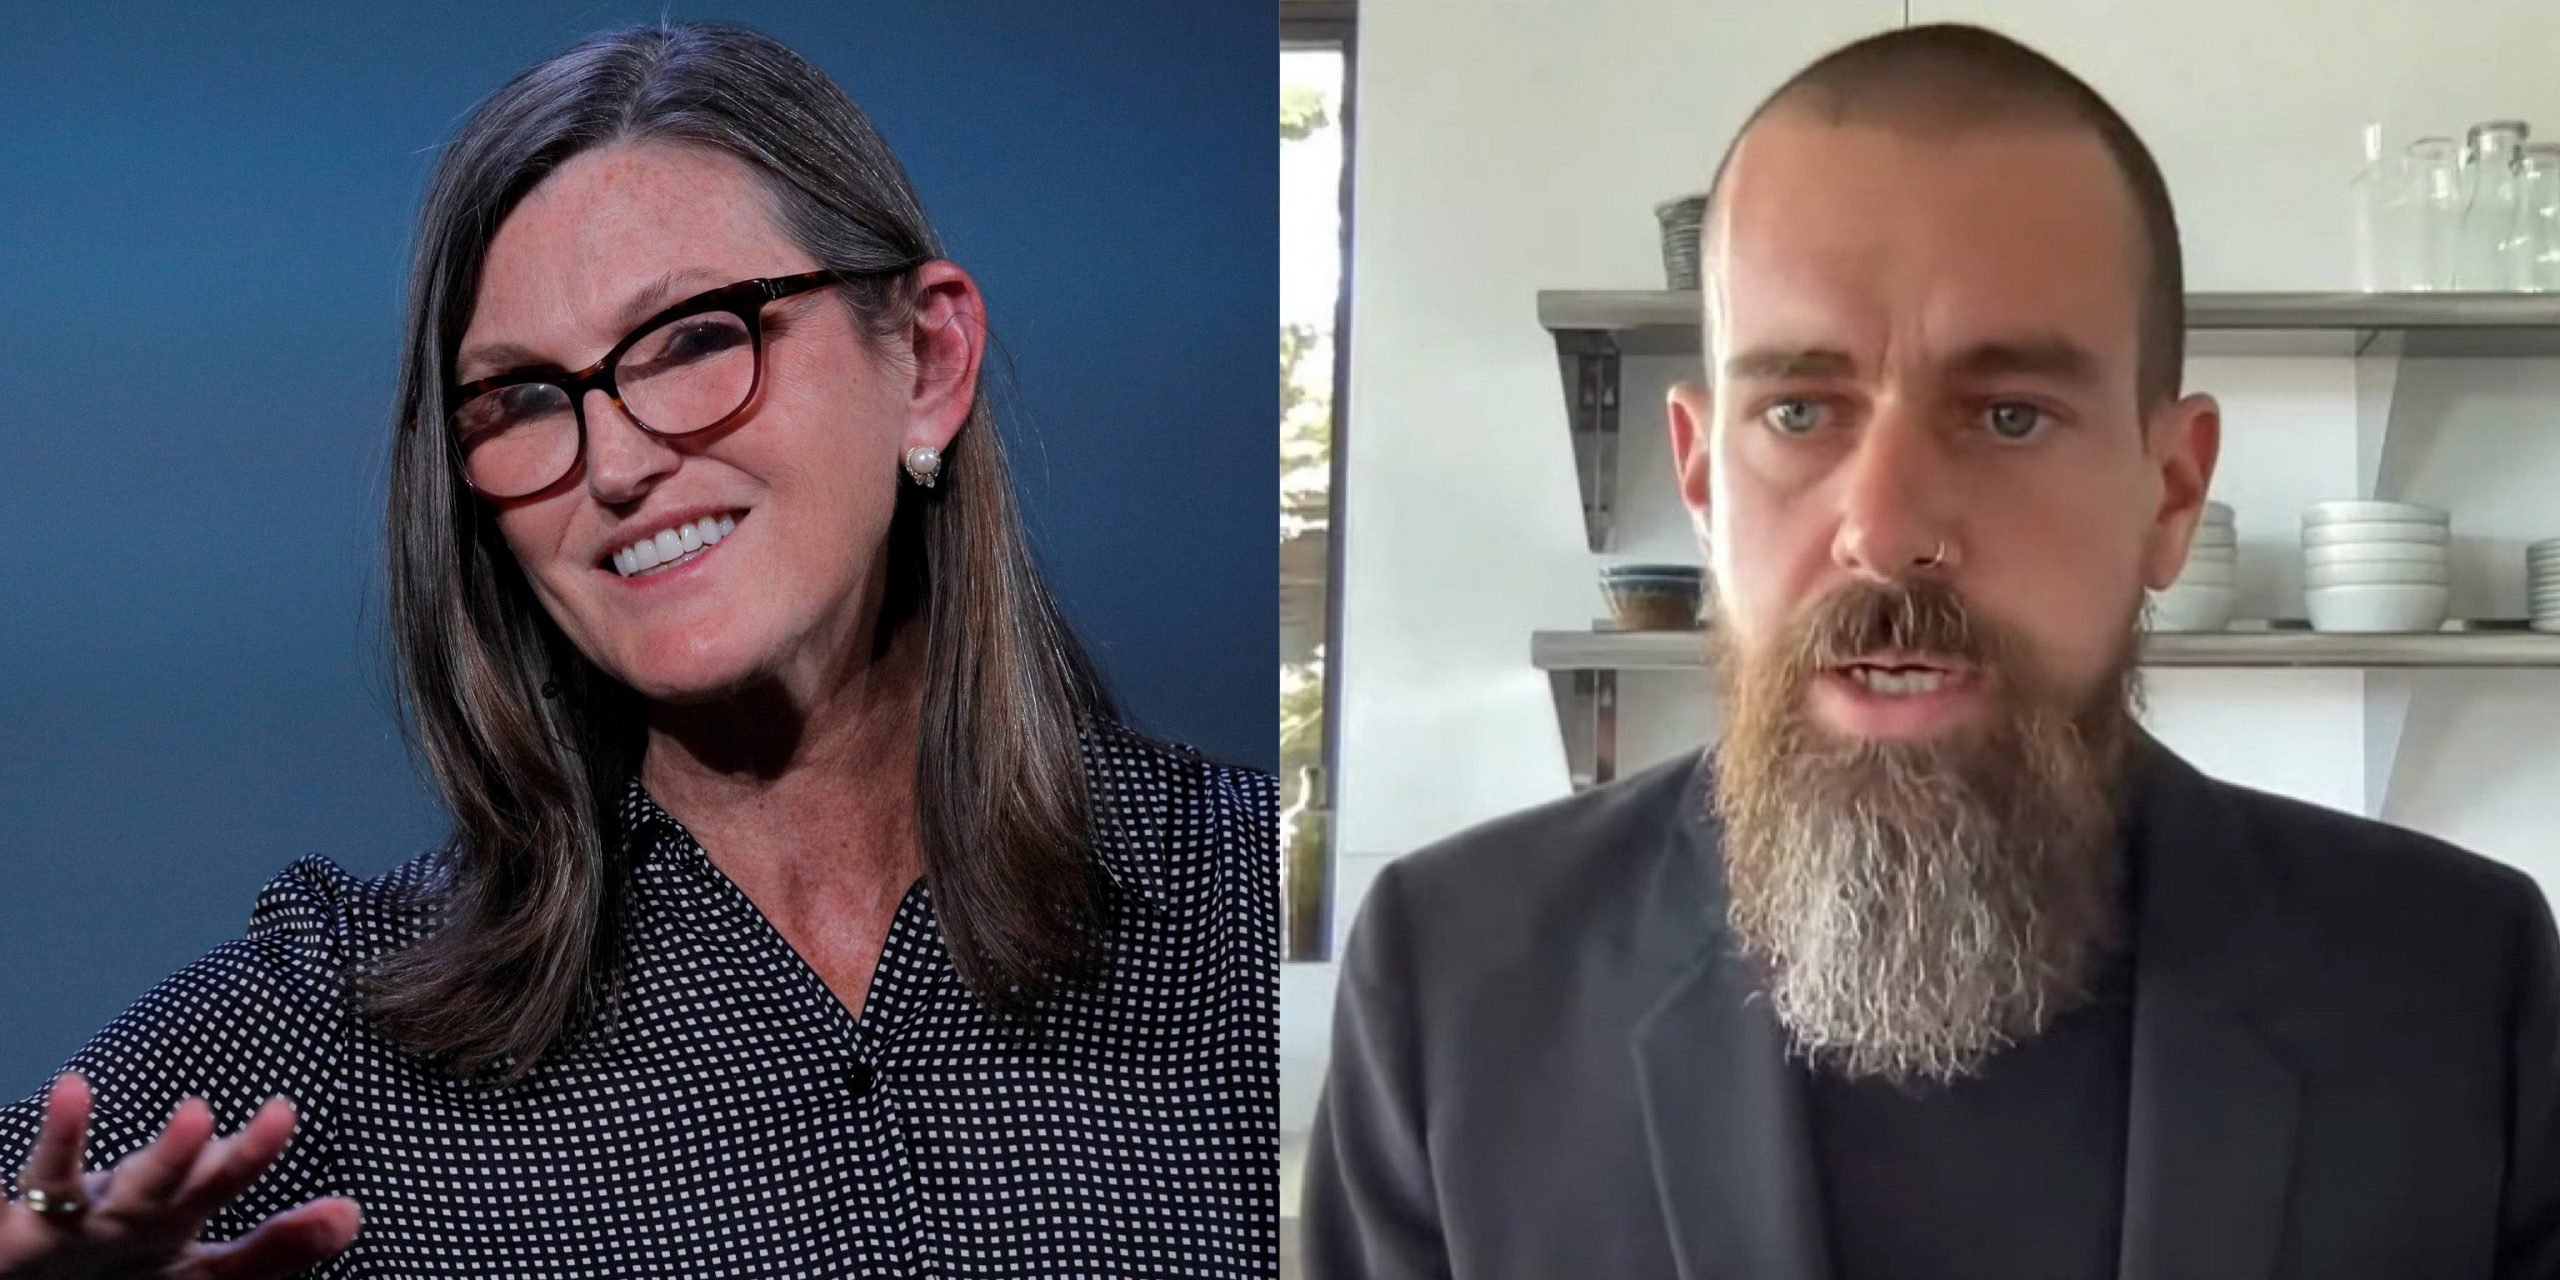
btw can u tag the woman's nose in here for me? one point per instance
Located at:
(623, 461)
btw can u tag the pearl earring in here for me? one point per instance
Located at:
(924, 464)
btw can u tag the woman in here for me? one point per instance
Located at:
(806, 912)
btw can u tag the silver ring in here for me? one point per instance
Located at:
(1937, 557)
(44, 1204)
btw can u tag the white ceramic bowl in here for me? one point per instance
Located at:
(2208, 536)
(2376, 553)
(2217, 513)
(2351, 575)
(2207, 573)
(2330, 535)
(2377, 608)
(2196, 608)
(2354, 511)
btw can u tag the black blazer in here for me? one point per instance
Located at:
(1547, 1063)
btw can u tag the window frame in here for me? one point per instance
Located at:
(1333, 24)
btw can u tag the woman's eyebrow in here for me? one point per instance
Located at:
(508, 357)
(660, 292)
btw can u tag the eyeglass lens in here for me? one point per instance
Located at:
(681, 377)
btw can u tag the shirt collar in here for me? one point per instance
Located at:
(1133, 785)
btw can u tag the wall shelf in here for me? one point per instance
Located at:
(1583, 667)
(1594, 329)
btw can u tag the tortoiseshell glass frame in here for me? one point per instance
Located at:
(746, 300)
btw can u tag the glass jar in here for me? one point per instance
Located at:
(2435, 175)
(2485, 260)
(2536, 243)
(2381, 209)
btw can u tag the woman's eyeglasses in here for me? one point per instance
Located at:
(686, 370)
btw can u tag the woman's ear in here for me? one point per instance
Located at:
(945, 349)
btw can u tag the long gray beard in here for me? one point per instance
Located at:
(1916, 907)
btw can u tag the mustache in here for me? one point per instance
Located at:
(1921, 617)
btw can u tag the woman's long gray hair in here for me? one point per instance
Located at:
(533, 746)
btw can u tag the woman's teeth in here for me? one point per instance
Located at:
(672, 546)
(1897, 684)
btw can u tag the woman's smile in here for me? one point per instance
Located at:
(672, 545)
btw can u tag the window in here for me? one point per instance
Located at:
(1315, 84)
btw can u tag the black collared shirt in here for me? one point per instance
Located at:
(736, 1119)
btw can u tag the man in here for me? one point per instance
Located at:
(1938, 965)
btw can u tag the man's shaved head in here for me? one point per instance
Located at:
(1950, 78)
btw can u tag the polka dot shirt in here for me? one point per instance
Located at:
(736, 1119)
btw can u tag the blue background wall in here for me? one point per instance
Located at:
(204, 223)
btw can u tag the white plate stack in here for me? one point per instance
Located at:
(2376, 566)
(2208, 588)
(2542, 583)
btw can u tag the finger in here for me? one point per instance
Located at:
(294, 1240)
(226, 1168)
(54, 1163)
(145, 1181)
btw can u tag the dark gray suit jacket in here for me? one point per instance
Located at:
(1546, 1064)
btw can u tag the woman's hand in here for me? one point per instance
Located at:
(143, 1215)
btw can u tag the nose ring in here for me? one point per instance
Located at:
(1937, 557)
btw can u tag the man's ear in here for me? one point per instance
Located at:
(2186, 443)
(1687, 408)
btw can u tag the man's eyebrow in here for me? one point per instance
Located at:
(509, 357)
(1777, 364)
(2057, 358)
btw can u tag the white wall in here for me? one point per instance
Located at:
(1512, 145)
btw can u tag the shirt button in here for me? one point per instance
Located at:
(861, 1078)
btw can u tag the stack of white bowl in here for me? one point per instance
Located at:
(2208, 588)
(2542, 583)
(2376, 566)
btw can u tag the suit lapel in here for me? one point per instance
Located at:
(2213, 1107)
(1724, 1112)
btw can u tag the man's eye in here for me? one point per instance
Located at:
(1793, 417)
(2010, 420)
